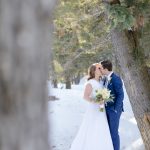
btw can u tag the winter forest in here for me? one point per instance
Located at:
(46, 48)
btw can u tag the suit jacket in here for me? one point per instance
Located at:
(115, 85)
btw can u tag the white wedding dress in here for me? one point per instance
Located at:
(94, 131)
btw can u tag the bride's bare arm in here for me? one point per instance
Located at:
(87, 93)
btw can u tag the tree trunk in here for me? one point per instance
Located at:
(77, 78)
(135, 75)
(68, 82)
(24, 39)
(55, 83)
(136, 80)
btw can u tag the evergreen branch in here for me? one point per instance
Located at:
(76, 55)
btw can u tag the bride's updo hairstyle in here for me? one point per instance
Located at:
(91, 71)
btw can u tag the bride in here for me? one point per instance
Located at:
(94, 131)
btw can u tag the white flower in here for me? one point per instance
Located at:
(109, 79)
(105, 93)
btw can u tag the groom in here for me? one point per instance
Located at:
(113, 109)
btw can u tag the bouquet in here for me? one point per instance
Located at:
(103, 96)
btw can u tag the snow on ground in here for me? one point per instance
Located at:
(66, 115)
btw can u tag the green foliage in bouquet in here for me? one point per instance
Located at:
(103, 95)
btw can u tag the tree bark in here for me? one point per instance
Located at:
(55, 83)
(68, 82)
(136, 80)
(77, 78)
(135, 75)
(24, 39)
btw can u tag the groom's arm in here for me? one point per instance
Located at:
(118, 87)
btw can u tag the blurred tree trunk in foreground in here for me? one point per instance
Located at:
(24, 39)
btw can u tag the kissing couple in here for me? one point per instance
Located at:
(99, 130)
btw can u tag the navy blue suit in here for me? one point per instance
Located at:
(115, 108)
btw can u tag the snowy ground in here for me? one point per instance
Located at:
(66, 115)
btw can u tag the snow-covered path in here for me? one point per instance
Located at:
(66, 115)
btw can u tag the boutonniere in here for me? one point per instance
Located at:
(109, 80)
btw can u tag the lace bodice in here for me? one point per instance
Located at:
(95, 86)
